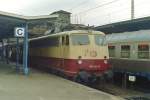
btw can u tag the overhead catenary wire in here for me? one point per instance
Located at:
(111, 14)
(85, 11)
(120, 10)
(109, 18)
(105, 4)
(79, 5)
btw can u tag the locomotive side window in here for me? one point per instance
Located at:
(143, 51)
(125, 51)
(99, 39)
(67, 40)
(111, 51)
(52, 42)
(63, 40)
(80, 39)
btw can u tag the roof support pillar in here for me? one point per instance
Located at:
(17, 55)
(3, 50)
(25, 51)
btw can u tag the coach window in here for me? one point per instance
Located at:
(111, 51)
(143, 51)
(125, 51)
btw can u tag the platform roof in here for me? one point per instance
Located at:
(8, 21)
(126, 26)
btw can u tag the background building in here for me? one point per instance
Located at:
(43, 26)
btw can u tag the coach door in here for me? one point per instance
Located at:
(65, 48)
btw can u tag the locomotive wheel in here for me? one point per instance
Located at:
(78, 79)
(82, 77)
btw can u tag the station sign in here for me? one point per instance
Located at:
(132, 78)
(19, 32)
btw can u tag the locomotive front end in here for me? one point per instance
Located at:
(90, 54)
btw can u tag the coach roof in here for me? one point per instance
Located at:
(136, 36)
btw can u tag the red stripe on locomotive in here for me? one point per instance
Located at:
(71, 66)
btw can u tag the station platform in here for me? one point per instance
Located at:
(44, 86)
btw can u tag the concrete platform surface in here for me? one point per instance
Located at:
(43, 86)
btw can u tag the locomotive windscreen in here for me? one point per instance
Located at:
(100, 39)
(80, 39)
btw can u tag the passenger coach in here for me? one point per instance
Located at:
(71, 52)
(130, 52)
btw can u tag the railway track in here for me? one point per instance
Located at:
(113, 88)
(126, 93)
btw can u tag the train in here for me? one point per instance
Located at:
(79, 54)
(130, 53)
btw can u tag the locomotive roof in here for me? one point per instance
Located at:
(135, 36)
(69, 32)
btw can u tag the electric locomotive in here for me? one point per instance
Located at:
(71, 53)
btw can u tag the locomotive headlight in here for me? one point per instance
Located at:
(105, 61)
(79, 61)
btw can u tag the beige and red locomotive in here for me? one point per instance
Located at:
(70, 52)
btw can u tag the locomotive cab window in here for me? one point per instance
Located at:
(111, 51)
(99, 39)
(143, 51)
(125, 51)
(80, 39)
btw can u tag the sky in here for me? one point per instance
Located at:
(92, 12)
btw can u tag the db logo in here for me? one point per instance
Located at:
(93, 53)
(19, 32)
